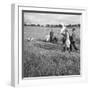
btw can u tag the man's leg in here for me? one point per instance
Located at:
(74, 46)
(71, 47)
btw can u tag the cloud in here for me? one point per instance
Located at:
(44, 18)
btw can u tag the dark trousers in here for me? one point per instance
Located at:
(51, 38)
(72, 45)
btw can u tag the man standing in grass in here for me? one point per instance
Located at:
(72, 40)
(51, 35)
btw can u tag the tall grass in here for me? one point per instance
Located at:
(46, 59)
(42, 65)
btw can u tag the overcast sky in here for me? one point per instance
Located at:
(45, 18)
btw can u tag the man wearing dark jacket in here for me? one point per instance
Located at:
(51, 35)
(72, 40)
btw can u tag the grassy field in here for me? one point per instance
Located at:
(47, 59)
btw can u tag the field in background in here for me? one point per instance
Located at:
(48, 59)
(40, 32)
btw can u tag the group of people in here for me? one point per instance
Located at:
(69, 41)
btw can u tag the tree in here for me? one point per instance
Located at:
(47, 25)
(38, 25)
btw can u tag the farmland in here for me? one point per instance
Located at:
(47, 59)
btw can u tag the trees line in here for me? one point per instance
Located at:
(51, 25)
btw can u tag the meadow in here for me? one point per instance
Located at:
(48, 59)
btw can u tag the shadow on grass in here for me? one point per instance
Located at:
(48, 46)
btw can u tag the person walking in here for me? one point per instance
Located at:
(67, 42)
(72, 40)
